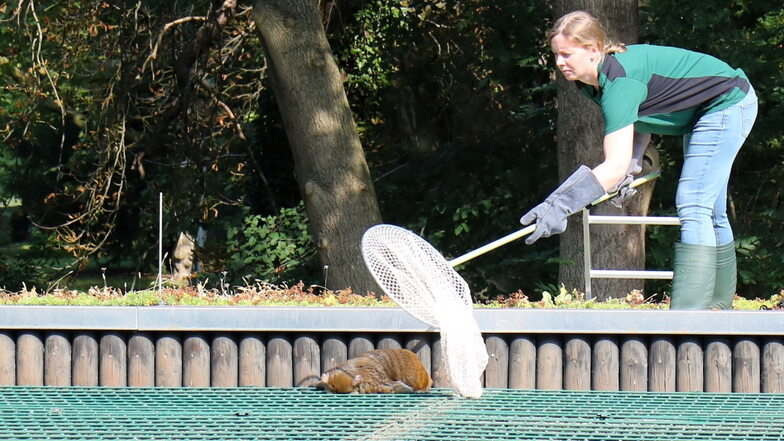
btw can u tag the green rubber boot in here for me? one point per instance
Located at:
(726, 277)
(694, 276)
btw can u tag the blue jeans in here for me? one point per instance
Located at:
(709, 151)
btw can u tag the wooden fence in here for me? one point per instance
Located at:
(285, 359)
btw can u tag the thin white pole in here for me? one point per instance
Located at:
(493, 245)
(160, 243)
(631, 274)
(531, 228)
(633, 220)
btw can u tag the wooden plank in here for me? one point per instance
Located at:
(497, 371)
(113, 362)
(662, 359)
(84, 369)
(742, 364)
(334, 352)
(196, 361)
(522, 362)
(29, 359)
(359, 344)
(7, 359)
(772, 375)
(549, 363)
(252, 361)
(605, 364)
(577, 363)
(634, 364)
(279, 362)
(439, 372)
(141, 360)
(389, 341)
(421, 345)
(689, 368)
(746, 366)
(168, 360)
(57, 359)
(224, 359)
(718, 365)
(307, 361)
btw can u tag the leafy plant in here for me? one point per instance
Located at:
(262, 294)
(272, 248)
(21, 272)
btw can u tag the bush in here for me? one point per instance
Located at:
(274, 249)
(15, 274)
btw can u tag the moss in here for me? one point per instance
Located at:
(302, 296)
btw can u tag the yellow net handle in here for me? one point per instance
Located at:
(531, 228)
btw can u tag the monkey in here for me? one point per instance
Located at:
(378, 371)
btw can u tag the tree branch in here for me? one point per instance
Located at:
(154, 54)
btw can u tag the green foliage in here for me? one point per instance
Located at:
(761, 264)
(749, 35)
(272, 248)
(95, 123)
(297, 296)
(385, 26)
(27, 265)
(20, 272)
(140, 298)
(454, 102)
(457, 100)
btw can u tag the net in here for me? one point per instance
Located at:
(421, 281)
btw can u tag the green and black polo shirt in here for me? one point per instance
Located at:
(663, 90)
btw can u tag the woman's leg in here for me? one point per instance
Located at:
(709, 152)
(726, 264)
(700, 281)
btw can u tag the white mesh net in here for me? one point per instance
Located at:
(422, 282)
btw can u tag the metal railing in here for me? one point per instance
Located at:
(588, 220)
(590, 273)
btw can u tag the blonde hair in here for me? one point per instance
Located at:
(584, 29)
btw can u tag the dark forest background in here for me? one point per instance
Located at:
(104, 105)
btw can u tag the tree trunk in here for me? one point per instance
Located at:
(579, 134)
(329, 163)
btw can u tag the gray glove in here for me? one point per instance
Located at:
(624, 192)
(579, 190)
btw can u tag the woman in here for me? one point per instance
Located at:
(645, 89)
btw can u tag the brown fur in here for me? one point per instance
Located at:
(378, 371)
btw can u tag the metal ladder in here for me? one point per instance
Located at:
(591, 273)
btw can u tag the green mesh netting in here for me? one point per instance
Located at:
(81, 413)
